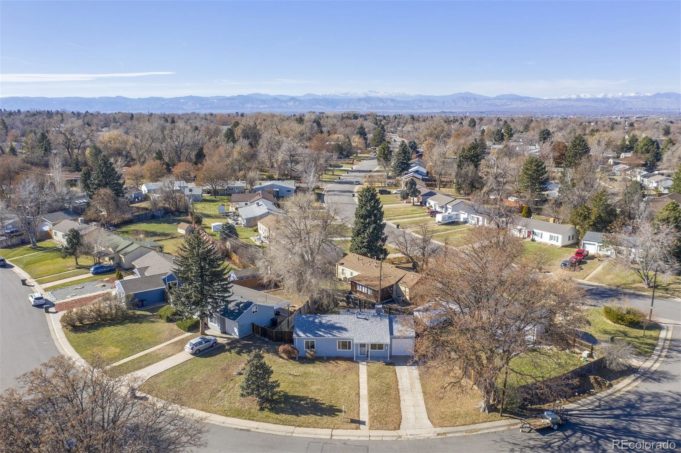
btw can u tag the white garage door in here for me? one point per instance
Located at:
(401, 346)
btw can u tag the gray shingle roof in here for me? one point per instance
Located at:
(360, 327)
(154, 263)
(235, 309)
(141, 284)
(441, 199)
(593, 236)
(541, 225)
(402, 326)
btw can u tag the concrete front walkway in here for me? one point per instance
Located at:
(159, 367)
(363, 396)
(147, 351)
(67, 280)
(414, 414)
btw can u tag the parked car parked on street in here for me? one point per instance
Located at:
(200, 344)
(102, 269)
(3, 262)
(37, 299)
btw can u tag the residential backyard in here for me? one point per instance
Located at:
(322, 394)
(111, 342)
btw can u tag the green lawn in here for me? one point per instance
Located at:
(150, 358)
(456, 238)
(80, 281)
(84, 271)
(112, 342)
(384, 397)
(162, 231)
(539, 365)
(604, 330)
(50, 262)
(322, 394)
(208, 207)
(16, 252)
(407, 210)
(390, 199)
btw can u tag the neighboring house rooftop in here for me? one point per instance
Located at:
(234, 310)
(252, 196)
(593, 236)
(286, 183)
(243, 294)
(58, 216)
(441, 199)
(154, 263)
(361, 326)
(141, 284)
(269, 221)
(257, 209)
(65, 226)
(541, 225)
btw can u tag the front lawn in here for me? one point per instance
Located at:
(15, 252)
(539, 365)
(404, 211)
(384, 397)
(612, 274)
(450, 402)
(321, 394)
(112, 342)
(457, 237)
(604, 331)
(50, 263)
(549, 257)
(149, 359)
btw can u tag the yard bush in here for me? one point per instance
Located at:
(288, 351)
(188, 324)
(106, 309)
(624, 316)
(168, 313)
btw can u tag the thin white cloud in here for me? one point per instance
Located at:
(41, 78)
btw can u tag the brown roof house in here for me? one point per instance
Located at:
(375, 282)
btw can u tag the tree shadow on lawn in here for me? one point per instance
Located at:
(132, 319)
(298, 405)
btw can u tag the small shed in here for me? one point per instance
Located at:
(216, 227)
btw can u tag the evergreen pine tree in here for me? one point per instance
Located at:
(12, 149)
(362, 133)
(533, 176)
(73, 245)
(676, 181)
(544, 135)
(228, 230)
(258, 381)
(384, 155)
(400, 163)
(526, 212)
(105, 176)
(411, 190)
(577, 149)
(368, 238)
(203, 286)
(507, 130)
(378, 136)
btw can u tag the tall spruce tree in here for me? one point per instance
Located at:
(368, 238)
(258, 381)
(401, 159)
(577, 149)
(74, 244)
(676, 181)
(203, 286)
(411, 190)
(533, 176)
(378, 136)
(101, 174)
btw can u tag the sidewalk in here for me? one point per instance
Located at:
(67, 280)
(414, 413)
(159, 367)
(147, 351)
(363, 397)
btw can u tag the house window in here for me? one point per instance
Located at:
(377, 347)
(553, 238)
(364, 289)
(537, 234)
(344, 345)
(309, 345)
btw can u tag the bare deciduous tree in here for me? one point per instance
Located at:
(302, 256)
(491, 303)
(418, 247)
(647, 251)
(62, 407)
(29, 202)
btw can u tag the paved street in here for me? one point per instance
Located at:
(25, 340)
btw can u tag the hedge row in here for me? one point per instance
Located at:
(625, 316)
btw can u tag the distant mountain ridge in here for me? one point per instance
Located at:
(458, 103)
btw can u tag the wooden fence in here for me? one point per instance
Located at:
(278, 336)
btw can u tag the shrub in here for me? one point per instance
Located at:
(119, 274)
(188, 324)
(288, 351)
(106, 309)
(625, 316)
(168, 313)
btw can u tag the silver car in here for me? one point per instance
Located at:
(200, 344)
(37, 299)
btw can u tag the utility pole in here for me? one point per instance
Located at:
(652, 303)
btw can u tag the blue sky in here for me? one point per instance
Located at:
(154, 48)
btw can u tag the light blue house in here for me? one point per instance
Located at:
(361, 335)
(247, 307)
